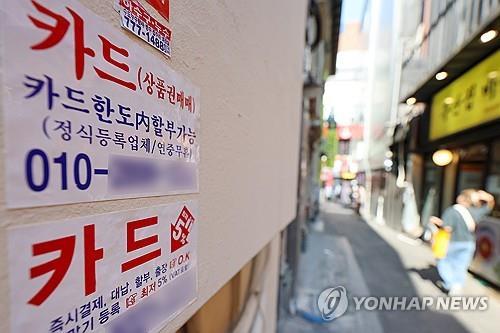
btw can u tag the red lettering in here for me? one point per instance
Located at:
(59, 266)
(134, 244)
(107, 47)
(57, 33)
(92, 255)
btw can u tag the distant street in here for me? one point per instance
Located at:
(373, 260)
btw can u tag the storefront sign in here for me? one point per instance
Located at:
(137, 20)
(469, 101)
(90, 115)
(101, 273)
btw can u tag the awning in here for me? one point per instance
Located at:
(472, 53)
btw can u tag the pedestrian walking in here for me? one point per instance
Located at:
(460, 221)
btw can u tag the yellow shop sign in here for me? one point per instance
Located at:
(470, 100)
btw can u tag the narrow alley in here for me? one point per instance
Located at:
(370, 259)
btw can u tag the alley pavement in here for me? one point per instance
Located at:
(370, 259)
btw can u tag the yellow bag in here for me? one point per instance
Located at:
(440, 243)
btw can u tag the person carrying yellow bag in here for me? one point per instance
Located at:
(440, 243)
(454, 244)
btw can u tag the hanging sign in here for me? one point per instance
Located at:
(104, 273)
(88, 114)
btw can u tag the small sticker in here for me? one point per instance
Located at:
(179, 232)
(137, 20)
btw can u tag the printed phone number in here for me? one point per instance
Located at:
(129, 174)
(142, 30)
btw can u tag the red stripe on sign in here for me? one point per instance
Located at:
(140, 260)
(162, 6)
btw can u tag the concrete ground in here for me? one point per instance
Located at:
(369, 259)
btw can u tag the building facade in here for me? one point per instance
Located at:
(446, 132)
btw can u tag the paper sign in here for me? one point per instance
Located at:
(90, 115)
(137, 20)
(104, 272)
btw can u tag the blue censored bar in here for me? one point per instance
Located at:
(128, 175)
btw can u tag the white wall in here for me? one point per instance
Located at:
(246, 57)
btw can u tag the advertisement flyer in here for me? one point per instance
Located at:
(129, 271)
(90, 114)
